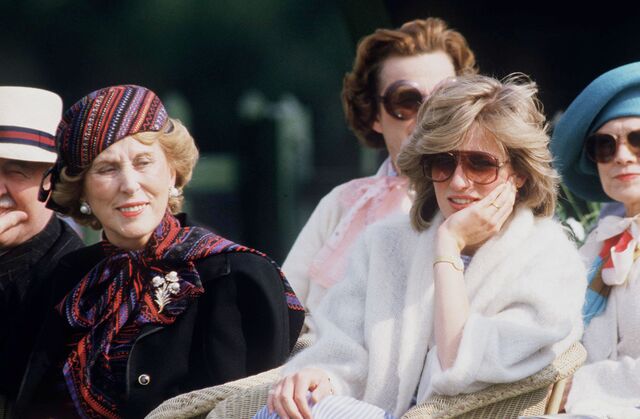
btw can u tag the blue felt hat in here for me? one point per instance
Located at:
(615, 94)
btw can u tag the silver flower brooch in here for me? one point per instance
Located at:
(165, 288)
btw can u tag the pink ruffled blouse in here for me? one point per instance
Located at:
(368, 200)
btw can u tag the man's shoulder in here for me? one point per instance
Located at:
(68, 237)
(77, 262)
(50, 245)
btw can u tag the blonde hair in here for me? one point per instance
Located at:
(509, 112)
(360, 86)
(177, 145)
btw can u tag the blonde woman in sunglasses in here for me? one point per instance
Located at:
(479, 286)
(597, 145)
(393, 72)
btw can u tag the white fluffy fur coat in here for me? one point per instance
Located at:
(375, 328)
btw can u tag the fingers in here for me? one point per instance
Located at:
(11, 219)
(505, 202)
(283, 402)
(273, 401)
(302, 387)
(280, 397)
(484, 218)
(506, 197)
(322, 390)
(288, 397)
(271, 397)
(489, 201)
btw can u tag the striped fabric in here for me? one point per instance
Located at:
(337, 407)
(103, 117)
(27, 136)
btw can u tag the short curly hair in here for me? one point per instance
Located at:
(507, 111)
(179, 148)
(360, 86)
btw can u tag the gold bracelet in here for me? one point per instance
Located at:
(456, 262)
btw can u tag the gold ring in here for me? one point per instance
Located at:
(493, 204)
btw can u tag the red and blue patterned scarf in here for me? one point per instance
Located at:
(598, 289)
(117, 297)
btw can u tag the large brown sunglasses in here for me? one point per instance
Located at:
(602, 148)
(479, 167)
(402, 99)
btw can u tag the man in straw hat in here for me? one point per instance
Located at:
(32, 239)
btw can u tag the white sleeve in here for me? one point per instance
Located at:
(601, 335)
(608, 384)
(539, 320)
(608, 388)
(311, 239)
(339, 349)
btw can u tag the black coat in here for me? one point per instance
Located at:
(240, 326)
(24, 292)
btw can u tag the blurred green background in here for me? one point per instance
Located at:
(258, 82)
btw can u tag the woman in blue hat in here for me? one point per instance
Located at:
(597, 149)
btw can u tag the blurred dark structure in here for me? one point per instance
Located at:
(263, 171)
(562, 45)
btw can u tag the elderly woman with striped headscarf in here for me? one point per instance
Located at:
(597, 148)
(158, 307)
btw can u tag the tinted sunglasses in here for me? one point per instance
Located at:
(479, 167)
(402, 99)
(602, 148)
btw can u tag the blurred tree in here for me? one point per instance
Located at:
(200, 56)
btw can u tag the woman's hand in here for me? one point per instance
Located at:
(477, 223)
(288, 397)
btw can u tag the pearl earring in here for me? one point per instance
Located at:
(174, 192)
(85, 208)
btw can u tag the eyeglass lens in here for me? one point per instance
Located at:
(478, 167)
(602, 148)
(402, 100)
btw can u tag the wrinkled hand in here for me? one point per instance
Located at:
(288, 397)
(11, 219)
(479, 222)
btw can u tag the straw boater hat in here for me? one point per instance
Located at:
(28, 121)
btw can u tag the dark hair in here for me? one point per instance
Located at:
(360, 86)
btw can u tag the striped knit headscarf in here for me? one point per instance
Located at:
(97, 121)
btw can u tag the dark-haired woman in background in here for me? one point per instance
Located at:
(394, 70)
